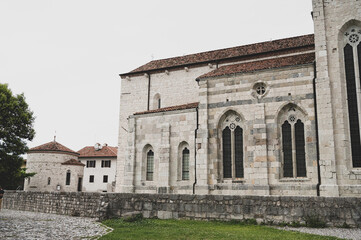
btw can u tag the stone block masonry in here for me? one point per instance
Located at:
(335, 211)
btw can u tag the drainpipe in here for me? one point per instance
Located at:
(316, 126)
(148, 91)
(195, 152)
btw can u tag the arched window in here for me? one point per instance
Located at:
(157, 102)
(150, 165)
(185, 164)
(293, 143)
(49, 180)
(352, 55)
(232, 146)
(67, 181)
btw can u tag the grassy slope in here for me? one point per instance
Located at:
(187, 229)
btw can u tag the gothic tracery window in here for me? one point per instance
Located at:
(293, 143)
(352, 55)
(232, 147)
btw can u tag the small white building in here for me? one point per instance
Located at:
(100, 167)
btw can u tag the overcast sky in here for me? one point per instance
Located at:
(65, 55)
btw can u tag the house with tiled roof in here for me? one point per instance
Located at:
(100, 167)
(57, 169)
(281, 117)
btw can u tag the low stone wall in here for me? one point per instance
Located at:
(334, 211)
(65, 203)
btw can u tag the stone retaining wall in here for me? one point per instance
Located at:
(334, 211)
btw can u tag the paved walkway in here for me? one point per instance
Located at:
(33, 225)
(344, 233)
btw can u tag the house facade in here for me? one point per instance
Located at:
(275, 118)
(100, 166)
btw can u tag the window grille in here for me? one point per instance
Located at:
(150, 165)
(185, 164)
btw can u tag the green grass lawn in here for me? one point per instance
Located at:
(188, 229)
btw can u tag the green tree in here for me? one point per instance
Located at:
(16, 127)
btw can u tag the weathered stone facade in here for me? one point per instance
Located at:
(56, 167)
(334, 211)
(272, 118)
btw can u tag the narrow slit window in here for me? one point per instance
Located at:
(300, 149)
(185, 164)
(150, 165)
(238, 147)
(352, 106)
(67, 181)
(227, 154)
(287, 150)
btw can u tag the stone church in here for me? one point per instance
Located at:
(281, 117)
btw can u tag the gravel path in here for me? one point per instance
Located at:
(33, 225)
(352, 233)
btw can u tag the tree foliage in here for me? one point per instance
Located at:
(16, 127)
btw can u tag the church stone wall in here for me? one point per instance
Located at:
(167, 134)
(259, 117)
(175, 87)
(48, 165)
(331, 18)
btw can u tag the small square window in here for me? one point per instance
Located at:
(91, 178)
(105, 163)
(105, 178)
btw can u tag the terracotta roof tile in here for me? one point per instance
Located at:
(73, 162)
(106, 151)
(172, 108)
(52, 146)
(261, 65)
(227, 53)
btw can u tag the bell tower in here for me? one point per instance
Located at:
(337, 26)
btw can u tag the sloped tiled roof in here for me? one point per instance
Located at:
(261, 65)
(106, 151)
(73, 162)
(227, 53)
(52, 146)
(172, 108)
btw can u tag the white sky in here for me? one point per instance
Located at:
(65, 55)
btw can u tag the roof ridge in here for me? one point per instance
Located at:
(170, 108)
(246, 45)
(264, 64)
(52, 146)
(226, 53)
